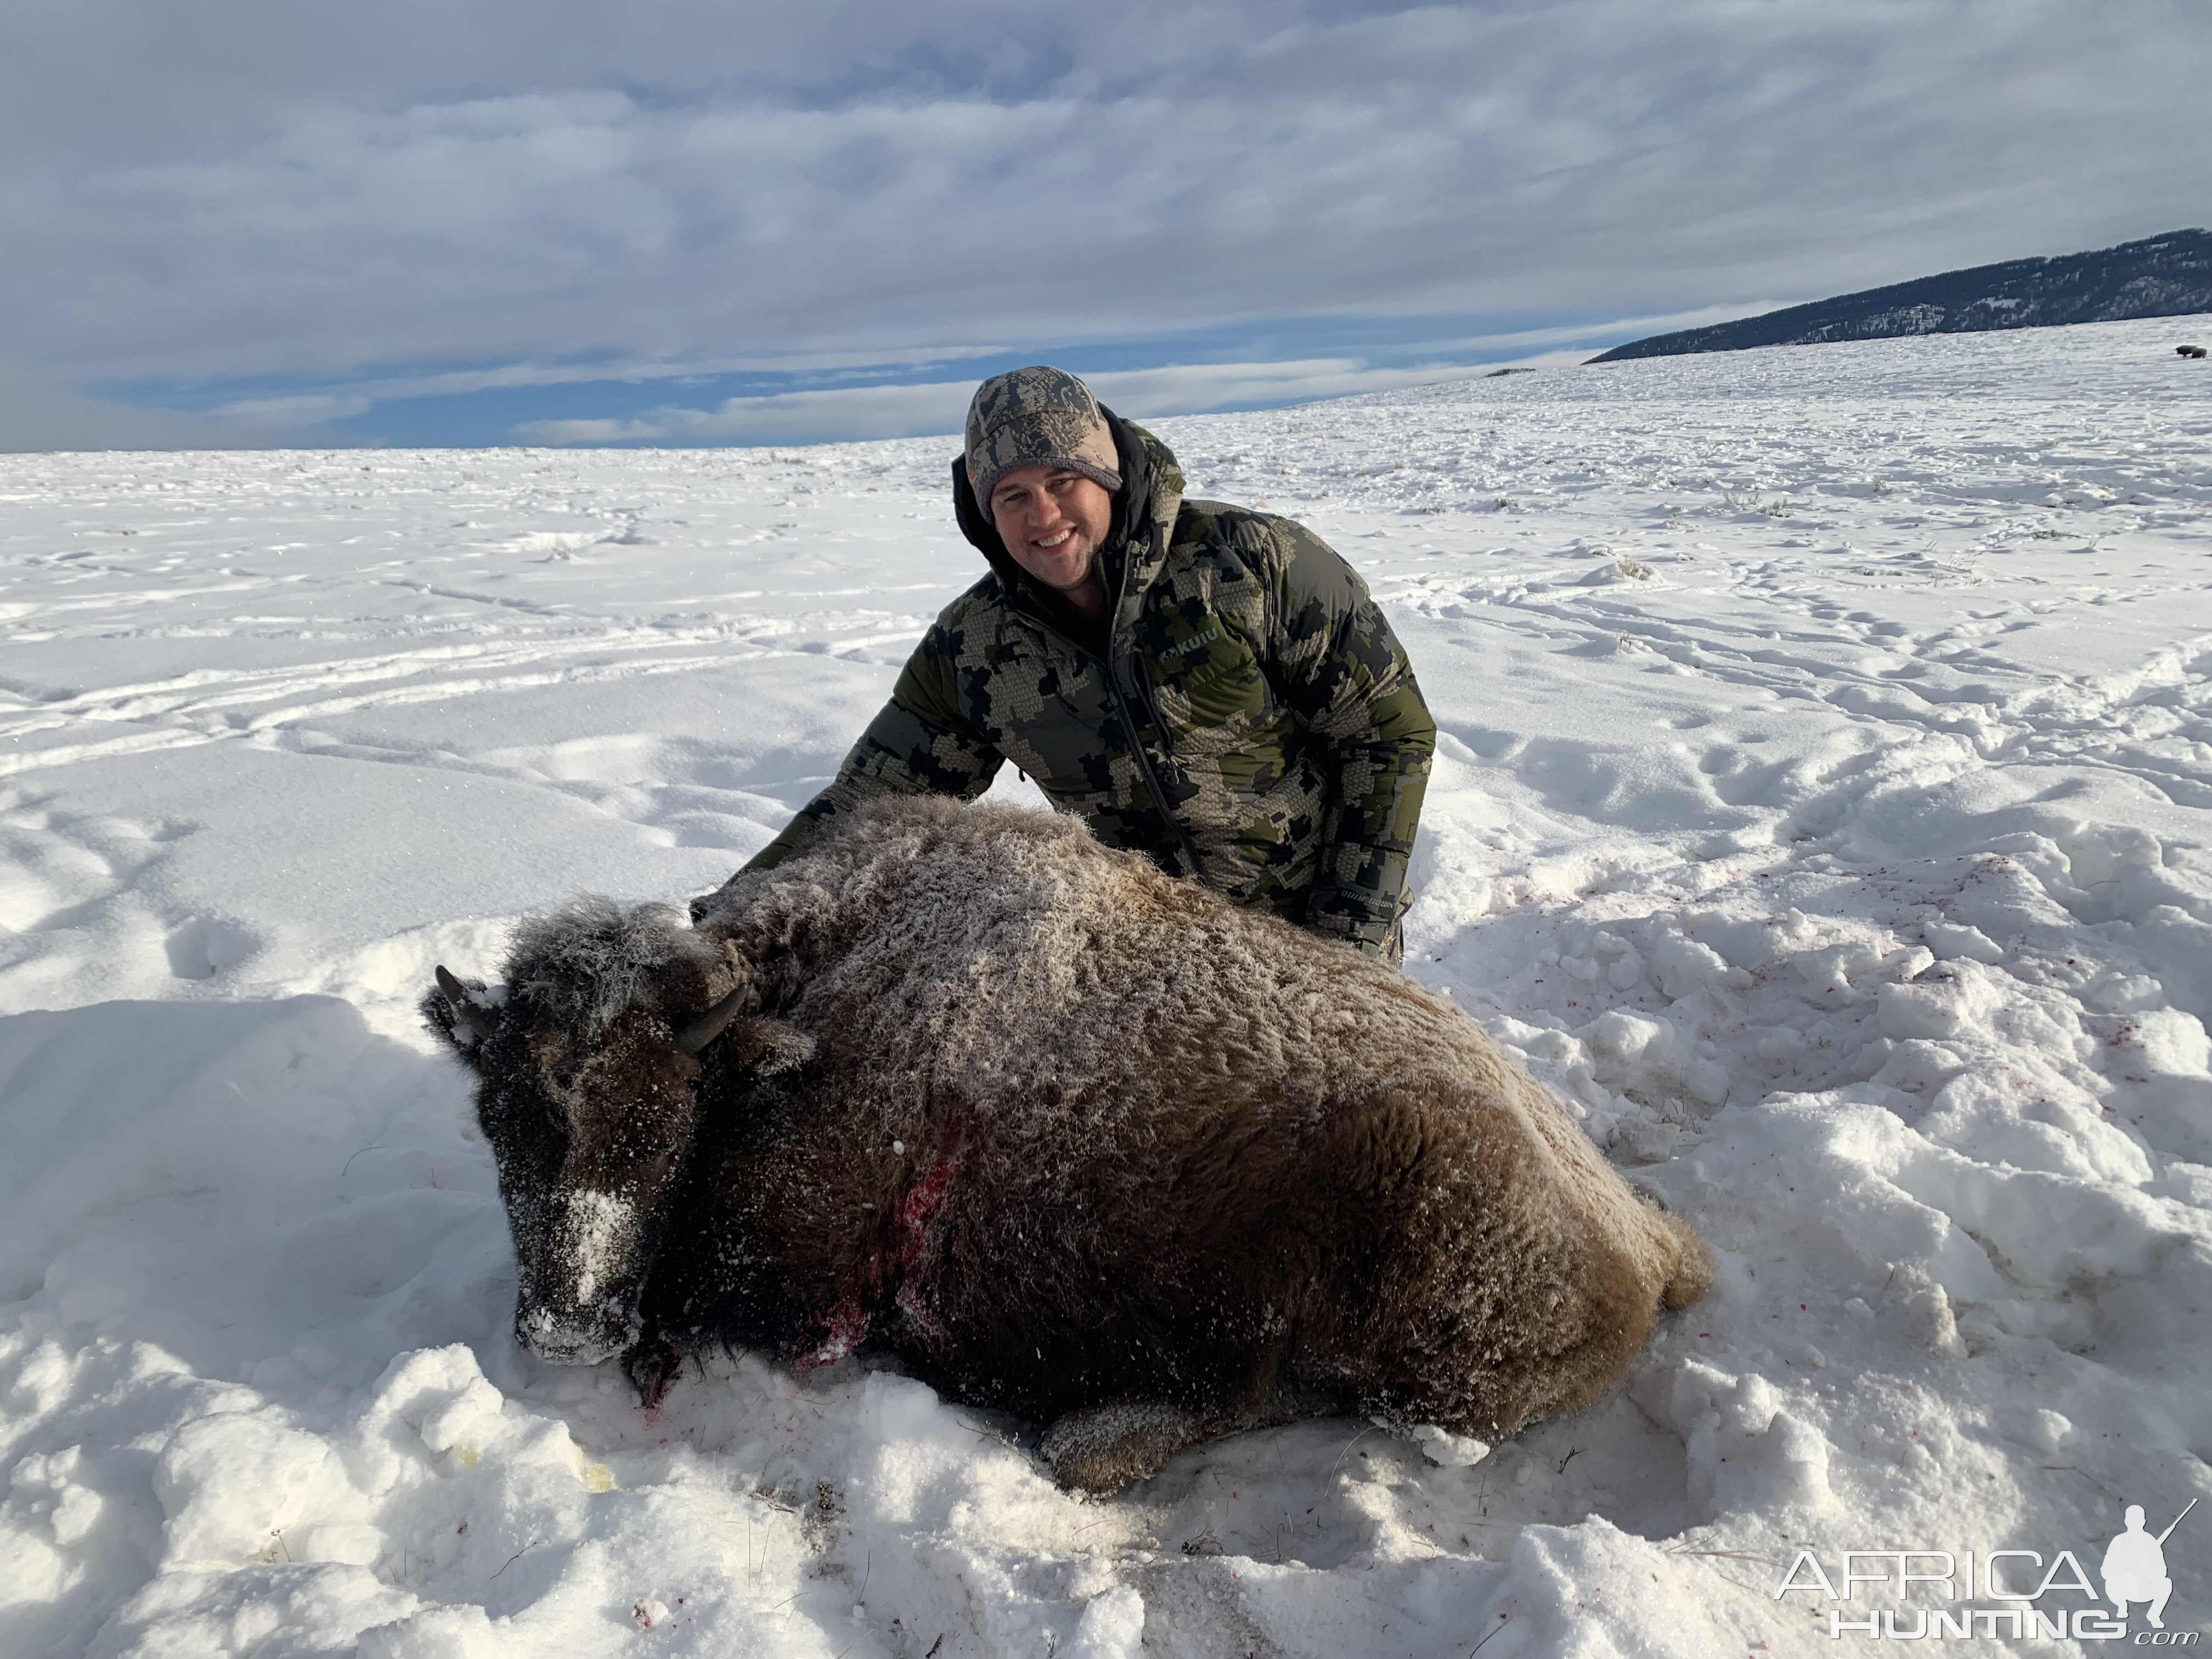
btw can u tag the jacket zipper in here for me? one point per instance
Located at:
(1120, 697)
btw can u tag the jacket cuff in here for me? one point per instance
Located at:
(1366, 933)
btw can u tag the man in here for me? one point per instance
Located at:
(1209, 686)
(2135, 1567)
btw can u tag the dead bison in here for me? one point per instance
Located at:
(1069, 1137)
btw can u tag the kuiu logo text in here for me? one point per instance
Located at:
(2133, 1569)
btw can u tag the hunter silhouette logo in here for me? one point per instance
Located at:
(2135, 1567)
(2017, 1582)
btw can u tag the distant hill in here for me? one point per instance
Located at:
(2167, 276)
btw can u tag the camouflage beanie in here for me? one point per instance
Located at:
(1037, 416)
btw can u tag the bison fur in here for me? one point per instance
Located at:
(1070, 1138)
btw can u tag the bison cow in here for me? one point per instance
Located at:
(1070, 1138)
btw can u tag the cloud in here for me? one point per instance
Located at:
(36, 415)
(340, 204)
(883, 411)
(365, 393)
(941, 406)
(302, 408)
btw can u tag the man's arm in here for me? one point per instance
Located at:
(1343, 672)
(919, 744)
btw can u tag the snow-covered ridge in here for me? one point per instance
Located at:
(1823, 808)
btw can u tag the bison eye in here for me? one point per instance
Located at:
(524, 1115)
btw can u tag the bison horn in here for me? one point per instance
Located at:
(464, 1006)
(709, 1025)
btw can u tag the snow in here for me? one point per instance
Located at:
(1824, 806)
(596, 1220)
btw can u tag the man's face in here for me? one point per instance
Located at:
(1052, 520)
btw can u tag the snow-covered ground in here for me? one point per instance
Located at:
(1825, 806)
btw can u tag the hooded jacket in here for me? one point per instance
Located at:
(1252, 722)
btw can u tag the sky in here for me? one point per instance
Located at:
(672, 222)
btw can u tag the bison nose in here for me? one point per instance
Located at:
(583, 1339)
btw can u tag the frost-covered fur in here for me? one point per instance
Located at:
(589, 1107)
(585, 965)
(1077, 1138)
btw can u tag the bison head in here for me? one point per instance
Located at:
(583, 1064)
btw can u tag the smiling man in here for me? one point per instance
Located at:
(1209, 686)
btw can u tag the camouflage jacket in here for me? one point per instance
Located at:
(1254, 723)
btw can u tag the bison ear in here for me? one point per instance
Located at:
(770, 1046)
(453, 1012)
(438, 1019)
